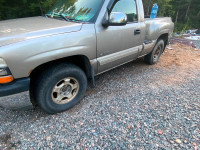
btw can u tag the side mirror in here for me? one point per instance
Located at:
(116, 19)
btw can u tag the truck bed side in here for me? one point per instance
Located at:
(155, 28)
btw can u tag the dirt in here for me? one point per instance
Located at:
(182, 61)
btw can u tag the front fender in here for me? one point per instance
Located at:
(25, 56)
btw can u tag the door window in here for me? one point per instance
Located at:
(128, 7)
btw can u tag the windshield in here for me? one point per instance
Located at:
(78, 10)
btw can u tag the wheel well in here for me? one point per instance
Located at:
(165, 38)
(79, 60)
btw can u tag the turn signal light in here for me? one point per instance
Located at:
(6, 79)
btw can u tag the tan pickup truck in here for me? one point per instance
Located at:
(54, 56)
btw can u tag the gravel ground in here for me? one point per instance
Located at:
(194, 43)
(197, 44)
(135, 106)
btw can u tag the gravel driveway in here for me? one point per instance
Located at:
(135, 106)
(197, 44)
(194, 43)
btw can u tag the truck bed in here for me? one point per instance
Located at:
(157, 25)
(154, 28)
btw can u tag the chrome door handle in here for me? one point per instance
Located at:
(138, 31)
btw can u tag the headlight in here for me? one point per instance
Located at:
(2, 63)
(5, 74)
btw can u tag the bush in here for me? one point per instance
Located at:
(23, 8)
(181, 27)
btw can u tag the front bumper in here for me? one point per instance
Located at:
(17, 86)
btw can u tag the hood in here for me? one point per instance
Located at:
(16, 30)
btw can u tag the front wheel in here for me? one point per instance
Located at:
(60, 88)
(153, 57)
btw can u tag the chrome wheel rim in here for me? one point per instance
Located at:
(157, 53)
(65, 90)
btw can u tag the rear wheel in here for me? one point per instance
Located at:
(60, 88)
(153, 57)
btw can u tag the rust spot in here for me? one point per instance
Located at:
(29, 73)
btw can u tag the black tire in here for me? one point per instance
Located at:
(158, 50)
(50, 78)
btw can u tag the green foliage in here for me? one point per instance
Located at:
(181, 27)
(23, 8)
(185, 13)
(47, 4)
(165, 8)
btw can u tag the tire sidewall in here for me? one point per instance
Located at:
(159, 43)
(46, 100)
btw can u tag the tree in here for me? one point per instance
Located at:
(165, 8)
(185, 13)
(23, 8)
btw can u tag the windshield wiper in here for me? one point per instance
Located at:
(65, 18)
(74, 20)
(57, 15)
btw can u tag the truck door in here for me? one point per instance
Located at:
(119, 44)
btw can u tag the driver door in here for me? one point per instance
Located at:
(119, 44)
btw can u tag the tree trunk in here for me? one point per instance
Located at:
(147, 11)
(198, 14)
(149, 5)
(177, 16)
(42, 13)
(188, 9)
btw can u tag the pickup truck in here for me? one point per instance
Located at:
(55, 57)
